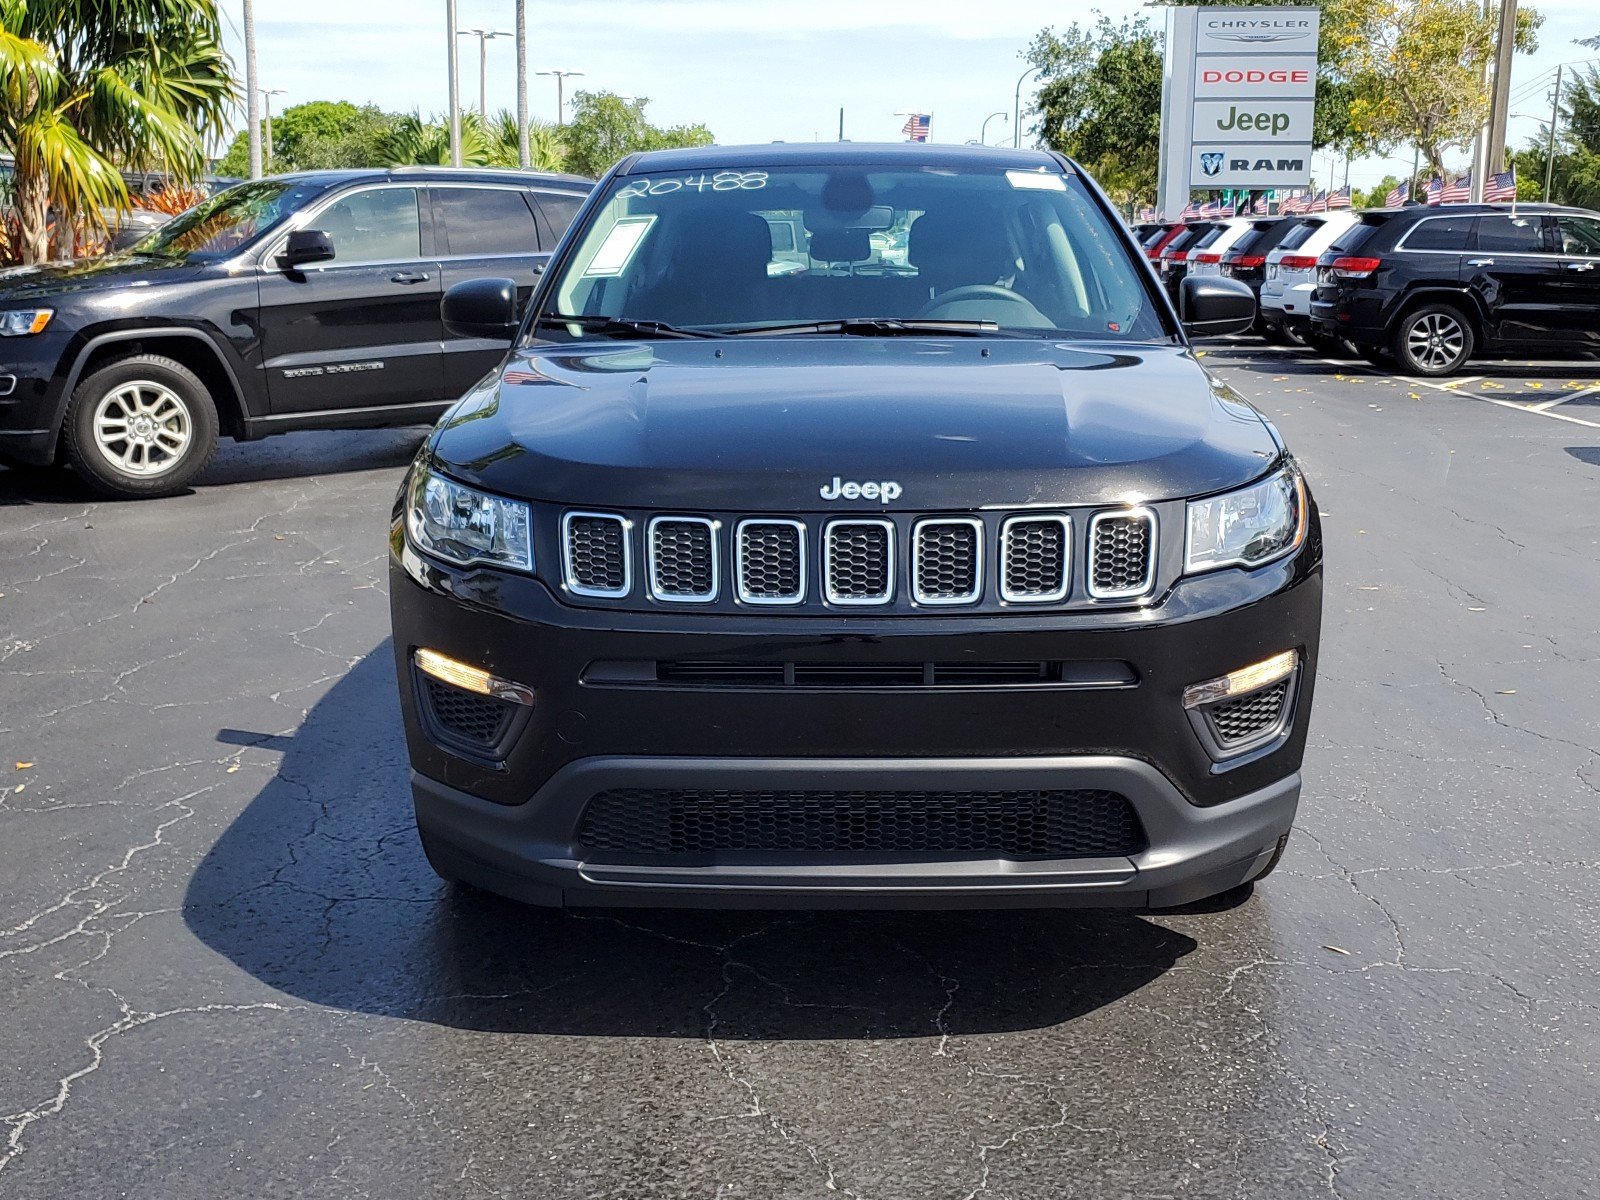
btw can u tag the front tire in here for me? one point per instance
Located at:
(1434, 340)
(139, 427)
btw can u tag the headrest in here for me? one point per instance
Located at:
(841, 245)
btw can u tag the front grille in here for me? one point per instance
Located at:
(1035, 553)
(858, 562)
(1121, 553)
(1239, 721)
(480, 720)
(873, 824)
(596, 554)
(771, 562)
(947, 561)
(767, 675)
(683, 559)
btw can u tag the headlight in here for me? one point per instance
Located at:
(1249, 527)
(465, 526)
(20, 322)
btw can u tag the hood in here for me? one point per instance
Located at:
(766, 424)
(49, 280)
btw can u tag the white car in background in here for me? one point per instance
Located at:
(1206, 256)
(1292, 271)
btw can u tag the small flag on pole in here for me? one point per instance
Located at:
(916, 126)
(1397, 197)
(1339, 199)
(1434, 190)
(1458, 192)
(1501, 188)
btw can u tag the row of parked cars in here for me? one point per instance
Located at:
(1421, 289)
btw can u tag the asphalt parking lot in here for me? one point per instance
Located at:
(226, 970)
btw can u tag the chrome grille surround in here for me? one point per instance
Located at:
(578, 529)
(924, 559)
(1013, 568)
(840, 550)
(752, 561)
(679, 548)
(1117, 537)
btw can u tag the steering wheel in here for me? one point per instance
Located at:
(973, 291)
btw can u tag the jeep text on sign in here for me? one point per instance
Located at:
(1279, 121)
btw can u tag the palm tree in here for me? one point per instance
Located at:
(414, 141)
(88, 86)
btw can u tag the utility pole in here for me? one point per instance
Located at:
(252, 112)
(455, 95)
(1500, 107)
(1550, 147)
(841, 124)
(524, 151)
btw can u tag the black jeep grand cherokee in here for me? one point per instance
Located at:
(298, 302)
(934, 572)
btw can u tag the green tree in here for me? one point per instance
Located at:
(88, 86)
(605, 127)
(1575, 176)
(319, 135)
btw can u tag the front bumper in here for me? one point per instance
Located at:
(31, 379)
(512, 825)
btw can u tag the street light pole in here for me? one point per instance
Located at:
(983, 130)
(455, 96)
(252, 111)
(561, 99)
(484, 36)
(267, 94)
(1016, 105)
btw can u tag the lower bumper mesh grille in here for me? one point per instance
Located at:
(1239, 721)
(479, 720)
(988, 824)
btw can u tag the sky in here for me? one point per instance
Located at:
(751, 70)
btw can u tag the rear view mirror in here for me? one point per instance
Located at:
(305, 246)
(1213, 307)
(481, 308)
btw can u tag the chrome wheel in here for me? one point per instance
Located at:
(1436, 341)
(142, 428)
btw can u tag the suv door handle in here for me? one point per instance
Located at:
(409, 277)
(1480, 262)
(1580, 266)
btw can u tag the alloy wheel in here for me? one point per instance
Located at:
(1436, 341)
(142, 428)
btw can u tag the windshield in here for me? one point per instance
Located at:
(1008, 252)
(215, 228)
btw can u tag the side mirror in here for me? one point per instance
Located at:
(1212, 306)
(481, 308)
(305, 246)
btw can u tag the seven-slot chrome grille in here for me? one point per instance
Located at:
(897, 562)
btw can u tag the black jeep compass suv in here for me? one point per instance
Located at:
(937, 572)
(297, 302)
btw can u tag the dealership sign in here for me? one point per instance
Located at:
(1238, 99)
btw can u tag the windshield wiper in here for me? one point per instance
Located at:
(599, 324)
(877, 327)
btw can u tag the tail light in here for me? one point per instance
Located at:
(1298, 262)
(1208, 258)
(1177, 256)
(1349, 267)
(1250, 260)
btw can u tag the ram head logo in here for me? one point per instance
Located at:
(1211, 163)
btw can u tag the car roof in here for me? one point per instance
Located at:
(864, 154)
(1472, 210)
(337, 178)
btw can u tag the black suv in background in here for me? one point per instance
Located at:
(1246, 261)
(296, 302)
(965, 585)
(1432, 287)
(1174, 264)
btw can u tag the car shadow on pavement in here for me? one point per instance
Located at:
(319, 889)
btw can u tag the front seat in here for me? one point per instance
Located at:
(714, 270)
(951, 251)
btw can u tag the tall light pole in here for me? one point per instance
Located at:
(1550, 148)
(483, 36)
(1016, 105)
(252, 112)
(983, 130)
(524, 151)
(561, 99)
(455, 95)
(1505, 45)
(267, 94)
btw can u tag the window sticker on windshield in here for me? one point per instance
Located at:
(1038, 181)
(722, 181)
(617, 251)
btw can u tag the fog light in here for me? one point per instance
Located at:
(470, 679)
(1245, 679)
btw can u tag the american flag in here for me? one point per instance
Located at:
(1227, 209)
(1397, 196)
(1339, 199)
(1319, 202)
(1434, 189)
(1293, 203)
(1458, 192)
(1501, 187)
(1190, 212)
(1260, 206)
(1146, 216)
(916, 126)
